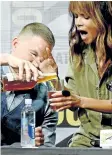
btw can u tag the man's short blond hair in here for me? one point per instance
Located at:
(38, 29)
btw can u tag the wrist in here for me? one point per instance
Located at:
(82, 102)
(78, 102)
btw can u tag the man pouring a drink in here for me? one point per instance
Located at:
(30, 62)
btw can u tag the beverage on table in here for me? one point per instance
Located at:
(28, 125)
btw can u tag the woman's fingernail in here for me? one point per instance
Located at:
(57, 110)
(52, 95)
(51, 104)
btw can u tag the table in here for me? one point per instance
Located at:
(11, 150)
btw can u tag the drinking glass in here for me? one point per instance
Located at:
(53, 86)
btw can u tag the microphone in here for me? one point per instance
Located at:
(65, 93)
(109, 86)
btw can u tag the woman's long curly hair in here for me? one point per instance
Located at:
(101, 14)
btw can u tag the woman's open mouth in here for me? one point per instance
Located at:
(83, 34)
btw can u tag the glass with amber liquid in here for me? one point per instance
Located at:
(54, 86)
(9, 84)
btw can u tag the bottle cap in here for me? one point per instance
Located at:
(28, 101)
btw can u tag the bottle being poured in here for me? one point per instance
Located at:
(10, 82)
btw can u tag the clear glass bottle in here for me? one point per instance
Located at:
(28, 125)
(8, 83)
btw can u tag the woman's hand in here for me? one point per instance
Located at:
(39, 136)
(59, 102)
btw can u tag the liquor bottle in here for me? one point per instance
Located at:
(9, 84)
(28, 125)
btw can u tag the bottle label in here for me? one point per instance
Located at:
(31, 131)
(28, 133)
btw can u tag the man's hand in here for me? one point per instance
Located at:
(39, 136)
(24, 68)
(48, 65)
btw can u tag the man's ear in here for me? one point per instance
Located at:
(14, 44)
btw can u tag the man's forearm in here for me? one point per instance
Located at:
(4, 59)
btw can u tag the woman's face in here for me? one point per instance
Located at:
(86, 28)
